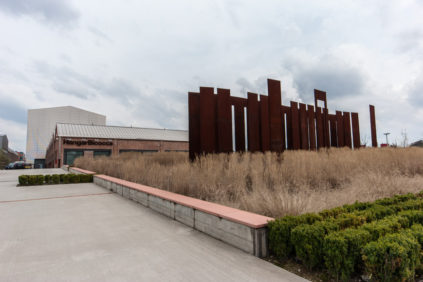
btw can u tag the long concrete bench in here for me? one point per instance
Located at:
(244, 230)
(77, 170)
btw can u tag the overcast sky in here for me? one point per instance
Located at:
(134, 61)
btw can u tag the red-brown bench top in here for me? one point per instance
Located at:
(82, 170)
(247, 218)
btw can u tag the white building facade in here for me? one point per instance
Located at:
(42, 124)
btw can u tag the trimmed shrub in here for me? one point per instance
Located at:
(413, 216)
(350, 220)
(32, 180)
(40, 179)
(47, 179)
(358, 206)
(333, 212)
(308, 241)
(85, 178)
(384, 226)
(74, 178)
(376, 212)
(393, 257)
(23, 180)
(280, 233)
(65, 178)
(55, 178)
(342, 251)
(395, 199)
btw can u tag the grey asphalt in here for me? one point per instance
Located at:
(80, 232)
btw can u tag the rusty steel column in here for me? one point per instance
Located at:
(319, 128)
(347, 129)
(253, 128)
(311, 127)
(264, 123)
(224, 121)
(340, 129)
(333, 137)
(194, 124)
(207, 120)
(277, 129)
(239, 128)
(326, 127)
(287, 111)
(295, 126)
(303, 127)
(356, 130)
(373, 125)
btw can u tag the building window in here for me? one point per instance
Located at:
(71, 155)
(100, 153)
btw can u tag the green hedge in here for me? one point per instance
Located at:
(308, 241)
(335, 239)
(393, 257)
(29, 180)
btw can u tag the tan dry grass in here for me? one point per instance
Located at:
(275, 185)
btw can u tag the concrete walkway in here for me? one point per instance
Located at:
(80, 232)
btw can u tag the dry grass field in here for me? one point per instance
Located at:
(274, 185)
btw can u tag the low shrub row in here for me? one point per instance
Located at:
(349, 240)
(29, 180)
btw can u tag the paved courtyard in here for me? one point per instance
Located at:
(81, 232)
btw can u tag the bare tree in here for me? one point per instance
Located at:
(404, 138)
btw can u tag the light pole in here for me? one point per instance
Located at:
(386, 135)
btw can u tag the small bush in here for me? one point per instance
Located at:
(65, 178)
(413, 216)
(280, 233)
(85, 178)
(393, 257)
(376, 212)
(350, 220)
(55, 178)
(384, 226)
(333, 212)
(47, 179)
(23, 180)
(358, 206)
(62, 176)
(74, 178)
(342, 251)
(308, 241)
(32, 180)
(40, 179)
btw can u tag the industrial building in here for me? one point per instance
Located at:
(9, 153)
(74, 140)
(42, 123)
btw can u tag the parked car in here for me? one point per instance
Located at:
(18, 165)
(9, 166)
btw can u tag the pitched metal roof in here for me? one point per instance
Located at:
(120, 132)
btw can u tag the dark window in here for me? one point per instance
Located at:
(39, 163)
(99, 153)
(71, 155)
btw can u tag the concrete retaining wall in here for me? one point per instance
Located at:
(244, 230)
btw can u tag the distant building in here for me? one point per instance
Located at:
(4, 146)
(42, 123)
(417, 144)
(74, 140)
(4, 142)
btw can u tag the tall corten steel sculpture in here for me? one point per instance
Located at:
(263, 123)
